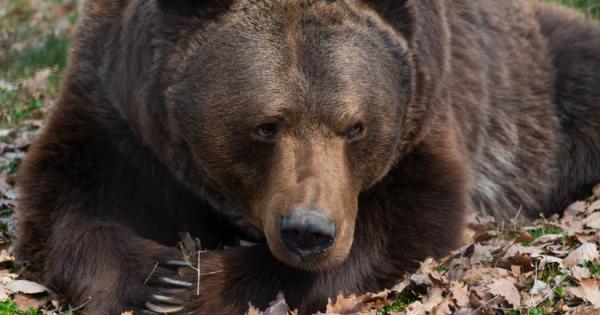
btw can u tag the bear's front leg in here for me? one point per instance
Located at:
(226, 282)
(232, 279)
(100, 266)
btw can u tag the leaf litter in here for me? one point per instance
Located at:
(551, 266)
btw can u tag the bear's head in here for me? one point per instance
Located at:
(282, 112)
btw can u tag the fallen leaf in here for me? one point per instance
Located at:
(588, 290)
(253, 310)
(507, 290)
(580, 273)
(593, 221)
(38, 82)
(5, 256)
(459, 293)
(346, 305)
(483, 276)
(278, 307)
(27, 287)
(587, 251)
(481, 254)
(596, 191)
(4, 294)
(25, 302)
(594, 206)
(516, 270)
(443, 308)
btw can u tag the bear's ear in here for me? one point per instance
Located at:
(425, 24)
(398, 13)
(193, 7)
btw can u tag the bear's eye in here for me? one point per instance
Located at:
(265, 132)
(356, 131)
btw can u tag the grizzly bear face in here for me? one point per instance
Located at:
(290, 110)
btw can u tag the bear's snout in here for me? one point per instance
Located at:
(307, 232)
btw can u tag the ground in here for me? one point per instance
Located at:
(549, 267)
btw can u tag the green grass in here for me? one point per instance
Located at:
(10, 308)
(539, 233)
(593, 267)
(29, 43)
(591, 7)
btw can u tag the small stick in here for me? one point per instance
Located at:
(198, 272)
(151, 273)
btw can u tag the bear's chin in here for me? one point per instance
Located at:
(316, 263)
(330, 258)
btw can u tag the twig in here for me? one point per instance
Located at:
(551, 291)
(151, 273)
(485, 304)
(75, 309)
(198, 272)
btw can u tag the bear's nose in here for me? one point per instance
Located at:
(307, 232)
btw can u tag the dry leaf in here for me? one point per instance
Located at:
(596, 191)
(4, 294)
(593, 221)
(278, 307)
(516, 270)
(443, 308)
(483, 276)
(349, 305)
(5, 256)
(587, 251)
(127, 313)
(517, 249)
(507, 290)
(588, 290)
(580, 273)
(25, 302)
(253, 310)
(459, 293)
(594, 206)
(481, 254)
(402, 285)
(38, 82)
(26, 286)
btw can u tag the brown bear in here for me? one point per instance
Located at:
(348, 138)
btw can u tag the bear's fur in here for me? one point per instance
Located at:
(458, 106)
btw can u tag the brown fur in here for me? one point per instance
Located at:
(488, 106)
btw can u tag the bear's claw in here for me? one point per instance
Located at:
(177, 263)
(166, 299)
(164, 309)
(177, 283)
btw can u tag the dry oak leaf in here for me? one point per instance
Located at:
(506, 289)
(27, 287)
(347, 305)
(4, 294)
(38, 82)
(481, 253)
(516, 249)
(594, 206)
(278, 307)
(593, 221)
(253, 310)
(580, 273)
(25, 302)
(588, 290)
(433, 299)
(460, 293)
(587, 251)
(443, 308)
(483, 276)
